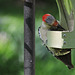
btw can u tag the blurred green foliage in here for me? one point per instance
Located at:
(46, 64)
(11, 38)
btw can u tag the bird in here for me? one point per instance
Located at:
(49, 23)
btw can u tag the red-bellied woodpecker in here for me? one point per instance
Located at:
(49, 23)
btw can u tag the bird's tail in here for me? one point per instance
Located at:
(66, 59)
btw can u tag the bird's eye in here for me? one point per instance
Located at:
(50, 20)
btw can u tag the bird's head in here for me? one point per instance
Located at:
(49, 19)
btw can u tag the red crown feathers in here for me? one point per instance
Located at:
(45, 17)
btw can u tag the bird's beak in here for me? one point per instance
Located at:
(58, 26)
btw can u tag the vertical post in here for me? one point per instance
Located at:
(29, 37)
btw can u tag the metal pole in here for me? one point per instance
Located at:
(29, 37)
